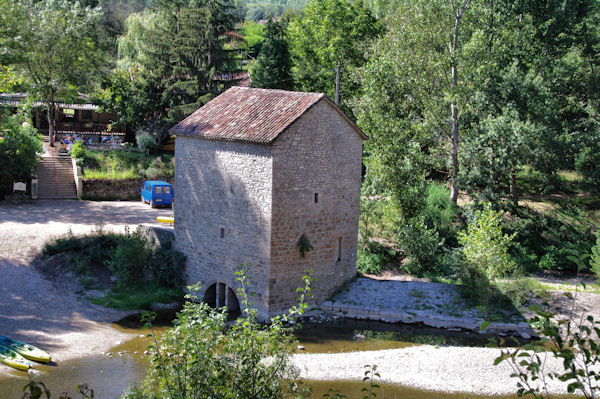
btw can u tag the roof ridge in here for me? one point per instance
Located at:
(297, 93)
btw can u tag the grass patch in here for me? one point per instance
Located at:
(126, 164)
(137, 296)
(111, 174)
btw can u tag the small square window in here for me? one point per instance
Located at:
(158, 190)
(316, 198)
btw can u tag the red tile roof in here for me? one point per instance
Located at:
(249, 115)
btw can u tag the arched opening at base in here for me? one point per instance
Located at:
(220, 295)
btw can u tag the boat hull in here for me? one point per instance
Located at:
(26, 350)
(13, 359)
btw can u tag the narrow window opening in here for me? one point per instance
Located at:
(316, 198)
(339, 249)
(222, 232)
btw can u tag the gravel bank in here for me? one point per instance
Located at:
(444, 369)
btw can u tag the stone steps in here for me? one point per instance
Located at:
(55, 178)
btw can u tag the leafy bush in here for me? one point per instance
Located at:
(200, 357)
(485, 246)
(422, 245)
(146, 142)
(77, 151)
(595, 257)
(373, 257)
(19, 146)
(514, 292)
(129, 257)
(548, 237)
(440, 214)
(587, 163)
(167, 265)
(122, 164)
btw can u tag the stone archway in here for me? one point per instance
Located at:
(220, 295)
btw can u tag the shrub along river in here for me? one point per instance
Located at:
(109, 375)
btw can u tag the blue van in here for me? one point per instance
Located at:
(157, 193)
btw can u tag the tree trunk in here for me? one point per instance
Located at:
(337, 84)
(50, 118)
(454, 153)
(513, 188)
(453, 50)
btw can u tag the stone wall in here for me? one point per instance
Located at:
(222, 217)
(111, 190)
(316, 192)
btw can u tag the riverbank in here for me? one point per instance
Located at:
(52, 314)
(444, 369)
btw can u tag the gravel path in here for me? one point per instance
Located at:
(36, 310)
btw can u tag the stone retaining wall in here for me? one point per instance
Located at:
(111, 190)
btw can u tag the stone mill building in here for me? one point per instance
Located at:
(258, 171)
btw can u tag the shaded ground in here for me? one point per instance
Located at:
(47, 313)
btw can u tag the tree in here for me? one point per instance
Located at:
(51, 44)
(330, 38)
(175, 49)
(273, 66)
(19, 145)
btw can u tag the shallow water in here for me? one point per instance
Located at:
(109, 376)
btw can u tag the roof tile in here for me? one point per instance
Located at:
(247, 114)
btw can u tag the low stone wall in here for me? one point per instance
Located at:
(111, 190)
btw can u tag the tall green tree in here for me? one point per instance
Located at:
(273, 66)
(176, 49)
(51, 44)
(413, 94)
(329, 40)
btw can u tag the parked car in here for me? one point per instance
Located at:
(157, 193)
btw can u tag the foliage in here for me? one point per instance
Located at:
(254, 35)
(38, 390)
(78, 151)
(422, 245)
(485, 246)
(373, 256)
(201, 357)
(146, 142)
(572, 342)
(304, 245)
(133, 259)
(19, 146)
(167, 266)
(273, 66)
(544, 239)
(123, 164)
(174, 50)
(128, 259)
(440, 214)
(51, 43)
(331, 33)
(595, 257)
(586, 163)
